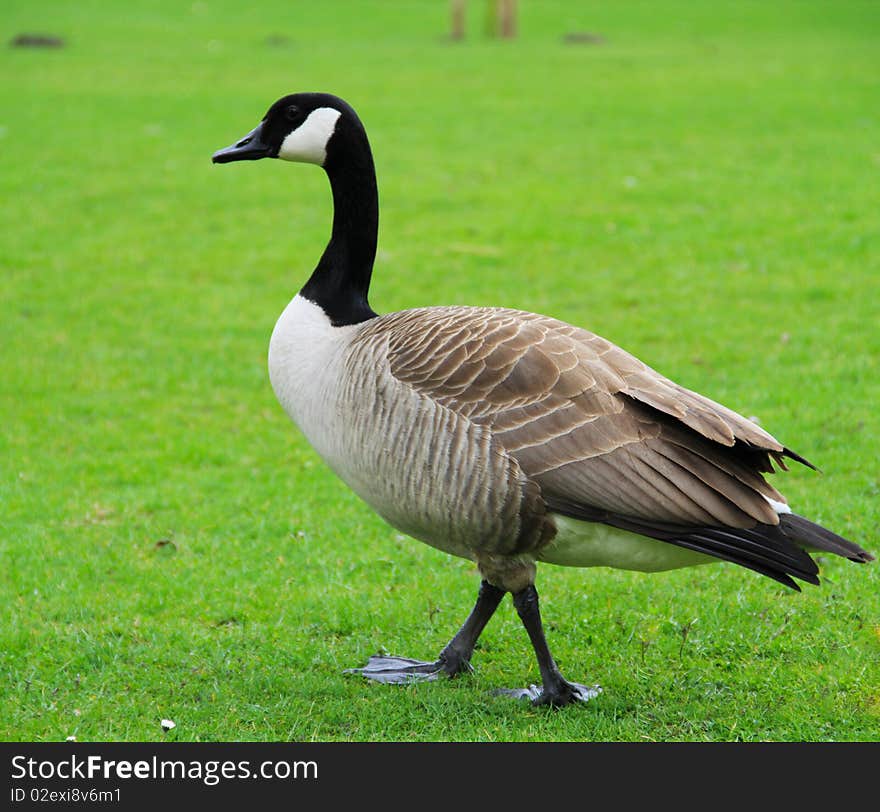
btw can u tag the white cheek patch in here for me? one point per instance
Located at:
(308, 142)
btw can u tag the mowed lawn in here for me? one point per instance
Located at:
(701, 186)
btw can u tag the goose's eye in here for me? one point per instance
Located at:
(292, 112)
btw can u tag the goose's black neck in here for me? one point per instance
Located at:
(341, 281)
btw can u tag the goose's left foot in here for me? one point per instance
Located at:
(454, 659)
(398, 670)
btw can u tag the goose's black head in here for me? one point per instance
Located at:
(299, 127)
(322, 129)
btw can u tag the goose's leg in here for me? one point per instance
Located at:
(556, 690)
(455, 657)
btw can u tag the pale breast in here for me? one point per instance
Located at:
(427, 470)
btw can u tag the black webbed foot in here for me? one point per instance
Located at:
(392, 670)
(556, 691)
(565, 694)
(396, 670)
(454, 659)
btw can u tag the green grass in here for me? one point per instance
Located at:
(702, 188)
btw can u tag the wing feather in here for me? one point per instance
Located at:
(589, 423)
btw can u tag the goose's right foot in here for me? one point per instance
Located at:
(565, 693)
(556, 691)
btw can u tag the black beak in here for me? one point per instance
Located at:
(250, 148)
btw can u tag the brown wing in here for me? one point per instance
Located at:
(596, 428)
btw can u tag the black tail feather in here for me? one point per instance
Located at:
(812, 536)
(793, 455)
(777, 551)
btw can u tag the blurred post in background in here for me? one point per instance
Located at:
(500, 18)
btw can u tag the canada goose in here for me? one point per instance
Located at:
(504, 436)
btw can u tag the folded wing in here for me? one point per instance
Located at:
(606, 437)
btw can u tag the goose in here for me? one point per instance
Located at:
(507, 437)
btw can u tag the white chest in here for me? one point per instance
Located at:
(306, 355)
(379, 437)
